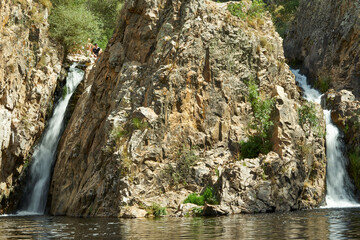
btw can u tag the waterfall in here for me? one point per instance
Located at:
(36, 190)
(339, 189)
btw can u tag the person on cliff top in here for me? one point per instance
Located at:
(96, 50)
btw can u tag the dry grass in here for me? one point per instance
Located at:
(46, 3)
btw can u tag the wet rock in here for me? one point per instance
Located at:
(132, 212)
(325, 38)
(215, 210)
(187, 209)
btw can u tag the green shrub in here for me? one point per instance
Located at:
(156, 210)
(262, 108)
(256, 9)
(194, 198)
(64, 92)
(283, 12)
(308, 118)
(197, 211)
(236, 9)
(254, 146)
(139, 124)
(181, 173)
(99, 18)
(207, 197)
(354, 166)
(322, 83)
(73, 24)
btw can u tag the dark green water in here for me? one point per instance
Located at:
(314, 224)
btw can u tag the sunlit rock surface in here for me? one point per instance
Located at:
(164, 109)
(29, 68)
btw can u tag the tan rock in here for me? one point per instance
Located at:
(133, 212)
(184, 75)
(29, 68)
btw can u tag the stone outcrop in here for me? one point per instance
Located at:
(164, 110)
(325, 37)
(29, 68)
(346, 115)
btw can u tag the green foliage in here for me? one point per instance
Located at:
(73, 24)
(107, 11)
(194, 198)
(236, 9)
(283, 12)
(354, 167)
(139, 124)
(208, 196)
(322, 83)
(26, 163)
(181, 173)
(64, 92)
(256, 9)
(254, 146)
(262, 108)
(118, 133)
(156, 210)
(308, 118)
(197, 211)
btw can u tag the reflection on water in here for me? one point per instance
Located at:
(314, 224)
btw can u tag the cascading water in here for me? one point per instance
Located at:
(36, 191)
(339, 189)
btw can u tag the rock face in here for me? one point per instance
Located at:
(29, 67)
(165, 108)
(325, 37)
(346, 115)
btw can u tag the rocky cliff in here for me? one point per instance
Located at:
(325, 37)
(164, 110)
(29, 67)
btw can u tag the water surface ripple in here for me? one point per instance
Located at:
(312, 224)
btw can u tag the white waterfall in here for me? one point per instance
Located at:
(34, 200)
(338, 185)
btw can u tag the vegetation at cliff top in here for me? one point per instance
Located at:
(256, 9)
(282, 11)
(73, 22)
(207, 197)
(261, 124)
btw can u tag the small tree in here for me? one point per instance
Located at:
(73, 24)
(262, 108)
